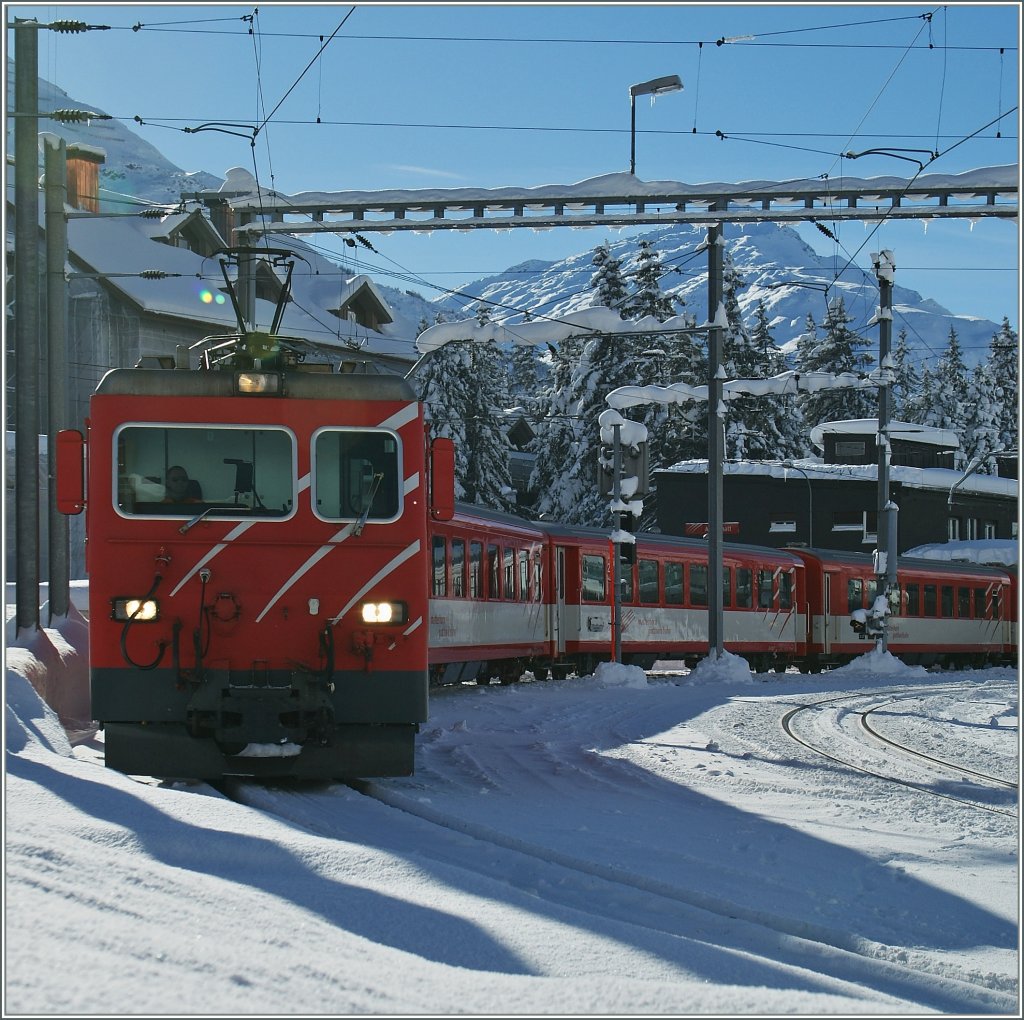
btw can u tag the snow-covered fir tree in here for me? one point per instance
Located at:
(608, 282)
(661, 359)
(758, 427)
(980, 432)
(443, 382)
(917, 406)
(1002, 368)
(557, 427)
(906, 382)
(948, 407)
(647, 296)
(488, 477)
(782, 413)
(839, 350)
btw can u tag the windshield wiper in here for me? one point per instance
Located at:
(195, 520)
(370, 496)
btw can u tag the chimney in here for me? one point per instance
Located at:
(84, 162)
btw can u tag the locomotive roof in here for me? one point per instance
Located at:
(300, 385)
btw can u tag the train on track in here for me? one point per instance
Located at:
(278, 573)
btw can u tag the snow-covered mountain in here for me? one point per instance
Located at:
(777, 266)
(134, 169)
(774, 261)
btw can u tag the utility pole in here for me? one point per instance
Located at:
(716, 439)
(26, 324)
(616, 545)
(55, 199)
(885, 567)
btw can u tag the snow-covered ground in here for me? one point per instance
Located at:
(712, 842)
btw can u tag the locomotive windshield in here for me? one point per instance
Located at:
(357, 474)
(229, 470)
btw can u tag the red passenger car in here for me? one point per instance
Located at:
(944, 614)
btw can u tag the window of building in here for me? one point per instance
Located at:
(674, 584)
(850, 448)
(848, 520)
(648, 571)
(864, 521)
(972, 529)
(953, 529)
(782, 525)
(988, 529)
(593, 579)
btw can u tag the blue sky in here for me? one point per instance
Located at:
(489, 95)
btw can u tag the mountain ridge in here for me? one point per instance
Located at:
(778, 266)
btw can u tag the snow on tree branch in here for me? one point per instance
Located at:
(584, 322)
(786, 382)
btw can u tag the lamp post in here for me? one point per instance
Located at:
(655, 87)
(810, 502)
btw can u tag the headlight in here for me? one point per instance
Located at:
(135, 609)
(258, 383)
(383, 612)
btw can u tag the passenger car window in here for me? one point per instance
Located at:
(593, 579)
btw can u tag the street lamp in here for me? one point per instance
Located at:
(655, 87)
(810, 502)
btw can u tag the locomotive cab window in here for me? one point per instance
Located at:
(358, 474)
(221, 470)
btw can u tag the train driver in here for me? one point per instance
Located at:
(179, 488)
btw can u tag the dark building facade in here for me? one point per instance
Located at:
(833, 504)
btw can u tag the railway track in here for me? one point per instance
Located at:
(683, 922)
(982, 785)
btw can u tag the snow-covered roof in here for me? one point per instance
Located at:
(991, 551)
(118, 249)
(919, 478)
(243, 185)
(897, 430)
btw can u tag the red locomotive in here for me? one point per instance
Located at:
(257, 567)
